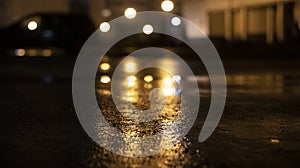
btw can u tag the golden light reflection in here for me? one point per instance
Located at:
(105, 66)
(275, 141)
(32, 52)
(20, 52)
(47, 52)
(265, 83)
(131, 96)
(148, 78)
(148, 85)
(105, 79)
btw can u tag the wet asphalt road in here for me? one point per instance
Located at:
(260, 126)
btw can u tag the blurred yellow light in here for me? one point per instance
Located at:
(167, 6)
(130, 13)
(32, 25)
(47, 52)
(20, 52)
(105, 79)
(32, 52)
(104, 27)
(168, 91)
(148, 85)
(148, 78)
(104, 66)
(148, 29)
(275, 141)
(130, 99)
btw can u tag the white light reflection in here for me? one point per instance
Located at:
(131, 81)
(168, 82)
(177, 78)
(169, 91)
(130, 66)
(275, 141)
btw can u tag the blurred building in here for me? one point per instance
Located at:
(245, 20)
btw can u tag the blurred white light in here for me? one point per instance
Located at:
(32, 25)
(131, 81)
(105, 79)
(20, 52)
(167, 6)
(168, 82)
(47, 52)
(168, 91)
(130, 13)
(176, 21)
(130, 66)
(177, 78)
(148, 29)
(104, 27)
(104, 66)
(106, 12)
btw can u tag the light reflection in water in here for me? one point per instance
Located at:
(139, 87)
(275, 140)
(247, 83)
(177, 156)
(148, 78)
(105, 66)
(130, 65)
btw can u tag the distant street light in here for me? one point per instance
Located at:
(130, 13)
(167, 5)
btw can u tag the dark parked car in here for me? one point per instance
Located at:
(46, 34)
